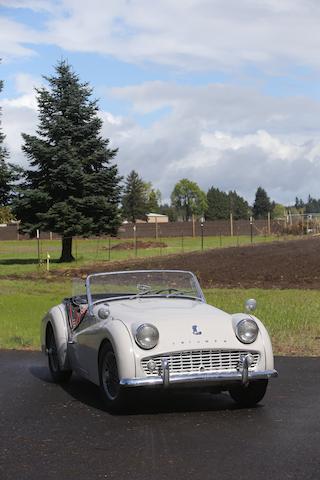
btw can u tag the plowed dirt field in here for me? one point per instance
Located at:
(292, 264)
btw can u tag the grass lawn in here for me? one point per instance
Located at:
(18, 257)
(291, 316)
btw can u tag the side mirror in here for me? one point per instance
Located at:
(250, 305)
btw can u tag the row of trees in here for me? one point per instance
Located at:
(188, 200)
(72, 185)
(312, 205)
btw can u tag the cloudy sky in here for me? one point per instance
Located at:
(224, 92)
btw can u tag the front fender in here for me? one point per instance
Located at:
(116, 332)
(267, 344)
(56, 317)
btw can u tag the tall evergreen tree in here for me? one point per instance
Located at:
(72, 187)
(299, 204)
(218, 205)
(262, 204)
(221, 204)
(239, 207)
(312, 205)
(134, 198)
(188, 199)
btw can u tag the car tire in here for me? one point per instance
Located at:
(58, 375)
(250, 395)
(115, 397)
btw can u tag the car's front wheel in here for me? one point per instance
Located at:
(58, 375)
(250, 395)
(114, 395)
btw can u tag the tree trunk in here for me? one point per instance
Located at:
(66, 254)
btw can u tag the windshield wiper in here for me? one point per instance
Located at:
(172, 292)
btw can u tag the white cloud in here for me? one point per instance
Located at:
(19, 114)
(230, 137)
(194, 34)
(271, 35)
(225, 136)
(14, 37)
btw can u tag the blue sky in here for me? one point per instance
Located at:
(226, 93)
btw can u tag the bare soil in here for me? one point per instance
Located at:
(292, 264)
(139, 245)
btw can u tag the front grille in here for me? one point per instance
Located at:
(200, 361)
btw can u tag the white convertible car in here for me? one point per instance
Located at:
(154, 329)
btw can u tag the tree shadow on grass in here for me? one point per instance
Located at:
(25, 261)
(19, 261)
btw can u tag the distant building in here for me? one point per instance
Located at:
(157, 218)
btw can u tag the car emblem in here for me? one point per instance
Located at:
(195, 330)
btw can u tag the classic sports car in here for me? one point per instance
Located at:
(154, 328)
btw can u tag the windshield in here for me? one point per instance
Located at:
(143, 283)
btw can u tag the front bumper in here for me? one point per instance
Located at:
(198, 379)
(242, 375)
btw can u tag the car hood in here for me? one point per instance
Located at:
(182, 323)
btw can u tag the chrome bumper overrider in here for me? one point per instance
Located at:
(242, 375)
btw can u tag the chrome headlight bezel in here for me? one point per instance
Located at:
(143, 336)
(243, 328)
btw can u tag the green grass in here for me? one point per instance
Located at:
(291, 316)
(22, 305)
(18, 257)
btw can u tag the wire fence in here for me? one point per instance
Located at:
(45, 253)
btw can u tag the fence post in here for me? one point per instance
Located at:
(193, 226)
(156, 228)
(135, 239)
(202, 225)
(269, 224)
(251, 229)
(231, 225)
(38, 242)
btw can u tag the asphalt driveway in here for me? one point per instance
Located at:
(50, 432)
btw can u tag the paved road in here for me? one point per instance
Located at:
(47, 432)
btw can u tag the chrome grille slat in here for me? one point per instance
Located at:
(192, 360)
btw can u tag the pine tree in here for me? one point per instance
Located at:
(262, 204)
(218, 205)
(72, 187)
(239, 207)
(134, 198)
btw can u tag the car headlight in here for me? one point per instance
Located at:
(147, 336)
(247, 330)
